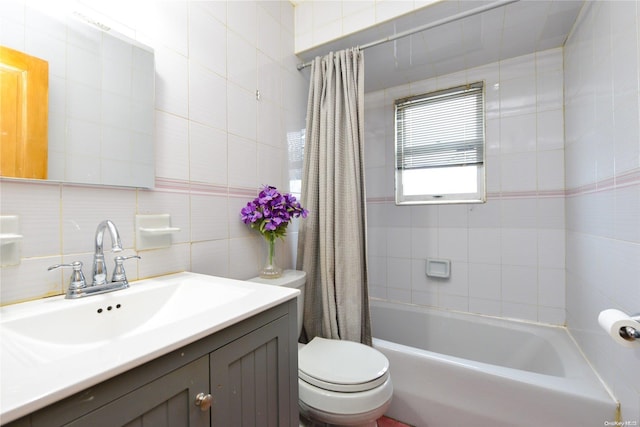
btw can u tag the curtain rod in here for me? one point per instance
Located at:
(430, 25)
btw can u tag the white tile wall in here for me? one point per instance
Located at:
(208, 154)
(508, 254)
(172, 146)
(208, 38)
(215, 144)
(320, 21)
(602, 76)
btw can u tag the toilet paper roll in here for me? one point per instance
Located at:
(612, 320)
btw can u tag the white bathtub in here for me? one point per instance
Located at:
(458, 369)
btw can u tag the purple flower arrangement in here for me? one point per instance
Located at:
(271, 212)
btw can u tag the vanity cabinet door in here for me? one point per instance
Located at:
(165, 402)
(250, 379)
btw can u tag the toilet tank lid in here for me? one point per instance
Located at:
(290, 279)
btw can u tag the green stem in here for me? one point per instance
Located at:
(272, 248)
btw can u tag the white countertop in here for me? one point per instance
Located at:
(35, 372)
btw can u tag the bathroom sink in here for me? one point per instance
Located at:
(54, 347)
(107, 317)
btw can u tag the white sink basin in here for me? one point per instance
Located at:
(105, 317)
(54, 347)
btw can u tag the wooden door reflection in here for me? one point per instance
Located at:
(24, 100)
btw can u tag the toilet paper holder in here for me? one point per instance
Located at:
(630, 333)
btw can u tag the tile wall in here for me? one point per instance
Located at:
(602, 120)
(321, 21)
(216, 144)
(507, 255)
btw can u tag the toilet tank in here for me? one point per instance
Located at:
(295, 279)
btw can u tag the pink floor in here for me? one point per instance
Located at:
(389, 422)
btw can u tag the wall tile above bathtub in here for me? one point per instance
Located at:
(603, 187)
(507, 254)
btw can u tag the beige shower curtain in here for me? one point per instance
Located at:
(332, 240)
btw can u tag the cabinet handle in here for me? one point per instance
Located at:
(204, 401)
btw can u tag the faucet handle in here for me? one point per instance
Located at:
(119, 274)
(77, 280)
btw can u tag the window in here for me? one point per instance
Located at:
(440, 146)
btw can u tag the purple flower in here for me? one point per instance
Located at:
(271, 212)
(250, 213)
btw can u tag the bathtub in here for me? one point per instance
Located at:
(459, 369)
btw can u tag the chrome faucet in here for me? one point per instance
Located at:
(99, 273)
(78, 287)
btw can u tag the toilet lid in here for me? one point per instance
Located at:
(342, 365)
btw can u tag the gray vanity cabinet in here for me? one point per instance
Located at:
(250, 370)
(164, 402)
(245, 384)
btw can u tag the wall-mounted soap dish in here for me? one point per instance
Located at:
(6, 238)
(154, 231)
(10, 240)
(438, 268)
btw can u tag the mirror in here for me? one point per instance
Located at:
(101, 97)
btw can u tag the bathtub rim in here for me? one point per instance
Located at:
(576, 379)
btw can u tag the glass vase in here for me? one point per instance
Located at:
(270, 269)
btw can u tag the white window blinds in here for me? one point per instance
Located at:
(441, 129)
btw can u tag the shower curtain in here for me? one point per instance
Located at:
(332, 240)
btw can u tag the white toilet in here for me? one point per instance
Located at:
(341, 383)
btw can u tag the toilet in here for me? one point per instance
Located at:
(340, 383)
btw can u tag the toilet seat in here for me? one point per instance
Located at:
(342, 366)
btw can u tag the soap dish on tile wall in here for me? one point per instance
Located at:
(438, 268)
(154, 231)
(10, 240)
